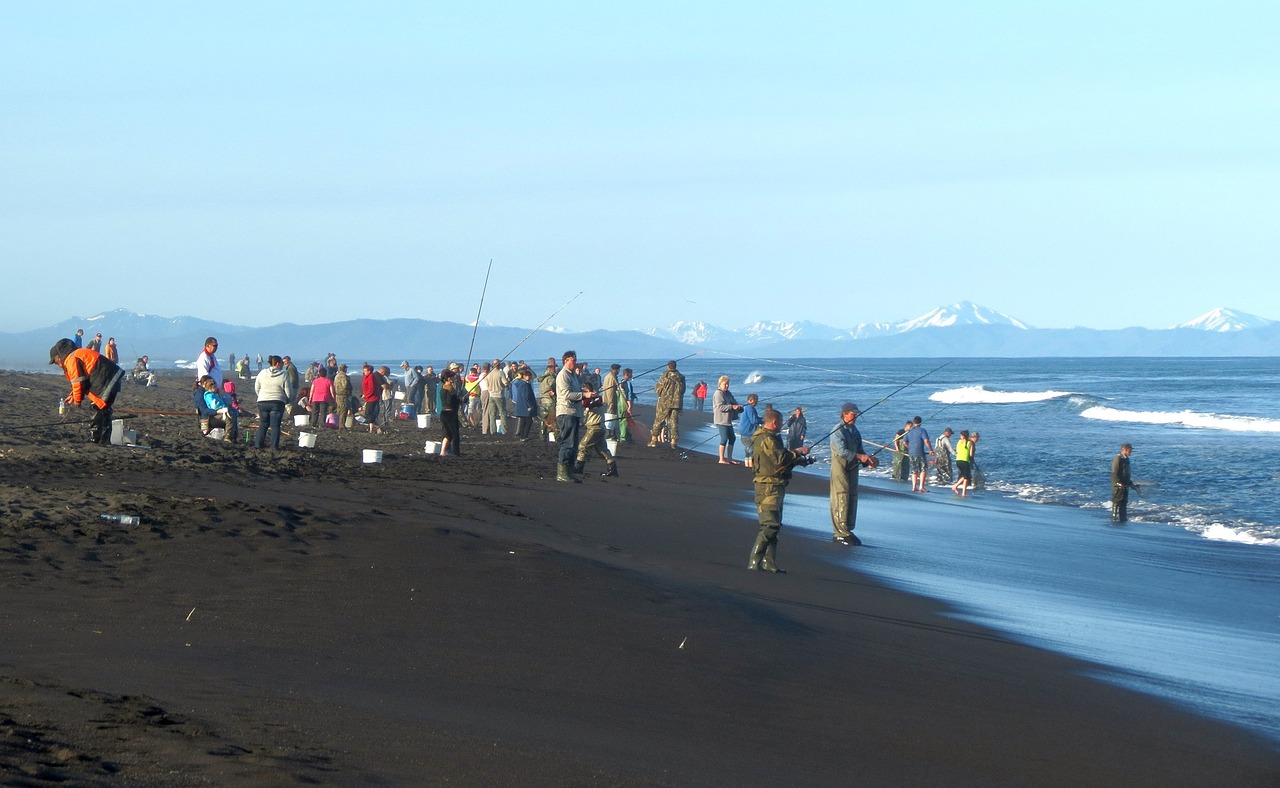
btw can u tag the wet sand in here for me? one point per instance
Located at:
(299, 616)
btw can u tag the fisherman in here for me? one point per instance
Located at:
(918, 447)
(547, 398)
(773, 466)
(93, 377)
(942, 453)
(568, 416)
(670, 390)
(847, 455)
(593, 432)
(1121, 482)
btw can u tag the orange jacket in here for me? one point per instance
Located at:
(91, 374)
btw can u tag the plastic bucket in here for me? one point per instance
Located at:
(612, 446)
(431, 447)
(424, 420)
(301, 420)
(372, 456)
(551, 437)
(306, 440)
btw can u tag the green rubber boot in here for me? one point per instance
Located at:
(757, 551)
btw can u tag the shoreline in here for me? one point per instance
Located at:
(301, 615)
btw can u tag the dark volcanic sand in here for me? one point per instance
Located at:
(300, 617)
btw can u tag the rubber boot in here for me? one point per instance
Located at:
(769, 563)
(563, 475)
(612, 470)
(757, 551)
(579, 466)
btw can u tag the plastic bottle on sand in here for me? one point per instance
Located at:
(123, 519)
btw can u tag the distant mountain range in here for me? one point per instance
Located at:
(957, 330)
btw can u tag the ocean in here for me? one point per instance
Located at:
(1183, 602)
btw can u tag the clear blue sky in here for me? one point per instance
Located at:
(1099, 164)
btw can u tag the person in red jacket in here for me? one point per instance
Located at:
(371, 387)
(93, 377)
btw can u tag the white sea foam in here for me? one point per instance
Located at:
(1226, 533)
(754, 376)
(1185, 418)
(981, 395)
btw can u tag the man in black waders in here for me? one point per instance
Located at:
(772, 465)
(1121, 482)
(94, 377)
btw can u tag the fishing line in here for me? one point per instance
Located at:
(807, 366)
(778, 396)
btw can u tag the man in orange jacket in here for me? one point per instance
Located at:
(94, 377)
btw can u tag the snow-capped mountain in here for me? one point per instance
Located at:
(691, 332)
(1223, 320)
(768, 332)
(775, 330)
(963, 313)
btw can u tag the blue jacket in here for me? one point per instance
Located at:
(526, 404)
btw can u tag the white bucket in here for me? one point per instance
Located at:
(431, 447)
(372, 456)
(301, 420)
(612, 446)
(424, 420)
(217, 433)
(118, 432)
(306, 440)
(551, 437)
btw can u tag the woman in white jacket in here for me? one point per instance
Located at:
(272, 388)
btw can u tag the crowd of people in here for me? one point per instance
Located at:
(580, 409)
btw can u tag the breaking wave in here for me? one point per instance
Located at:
(981, 395)
(754, 376)
(1185, 418)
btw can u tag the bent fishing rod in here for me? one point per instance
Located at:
(479, 308)
(540, 325)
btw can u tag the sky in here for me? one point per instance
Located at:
(1069, 164)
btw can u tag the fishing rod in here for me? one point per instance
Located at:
(535, 330)
(57, 424)
(930, 417)
(479, 308)
(882, 400)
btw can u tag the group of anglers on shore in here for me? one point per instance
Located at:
(581, 411)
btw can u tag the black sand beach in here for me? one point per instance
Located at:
(299, 617)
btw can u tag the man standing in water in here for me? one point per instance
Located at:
(1121, 482)
(942, 452)
(772, 474)
(847, 455)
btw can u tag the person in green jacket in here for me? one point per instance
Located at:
(773, 465)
